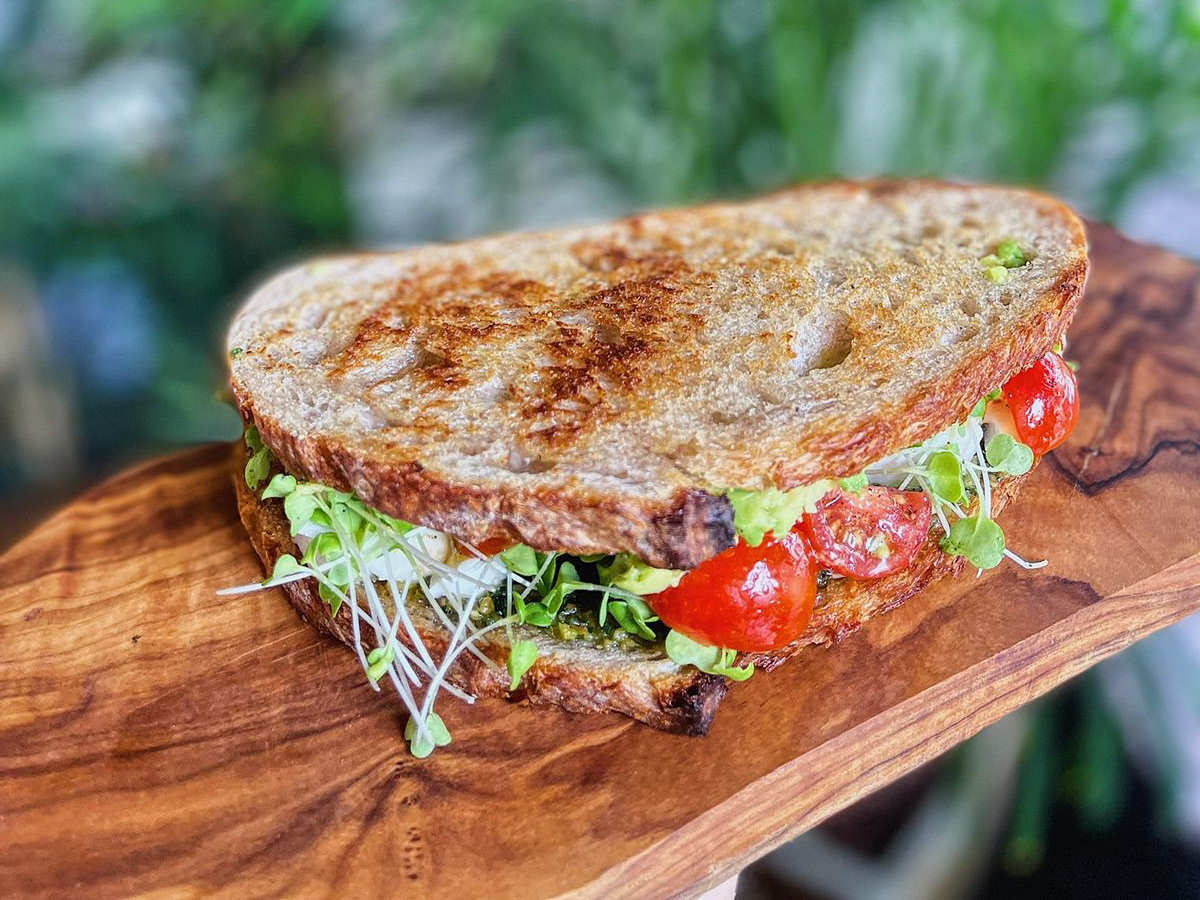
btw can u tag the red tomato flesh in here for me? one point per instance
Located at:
(870, 534)
(1044, 400)
(747, 598)
(488, 546)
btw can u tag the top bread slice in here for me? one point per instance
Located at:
(598, 389)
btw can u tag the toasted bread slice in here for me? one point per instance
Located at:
(598, 389)
(643, 684)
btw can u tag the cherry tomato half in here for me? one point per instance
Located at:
(1044, 400)
(747, 598)
(870, 534)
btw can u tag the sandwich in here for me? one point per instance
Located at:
(619, 468)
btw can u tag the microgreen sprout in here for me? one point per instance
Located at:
(521, 657)
(945, 476)
(978, 538)
(1008, 455)
(714, 660)
(423, 741)
(353, 552)
(258, 466)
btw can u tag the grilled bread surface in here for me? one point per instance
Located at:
(643, 684)
(597, 389)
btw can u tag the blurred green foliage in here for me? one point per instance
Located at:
(186, 148)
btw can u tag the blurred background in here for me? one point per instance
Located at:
(157, 158)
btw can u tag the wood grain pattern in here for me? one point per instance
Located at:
(159, 741)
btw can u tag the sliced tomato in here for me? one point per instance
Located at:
(870, 534)
(489, 546)
(747, 598)
(1044, 400)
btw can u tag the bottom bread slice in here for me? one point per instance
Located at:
(574, 675)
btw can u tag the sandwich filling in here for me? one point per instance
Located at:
(756, 596)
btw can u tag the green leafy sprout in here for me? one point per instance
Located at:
(260, 460)
(714, 660)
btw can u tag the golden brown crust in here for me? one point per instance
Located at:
(597, 390)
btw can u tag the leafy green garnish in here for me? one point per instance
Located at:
(258, 466)
(629, 573)
(977, 538)
(536, 614)
(378, 661)
(1008, 455)
(755, 513)
(284, 566)
(236, 352)
(522, 559)
(998, 274)
(300, 507)
(279, 486)
(521, 657)
(714, 660)
(633, 615)
(329, 596)
(565, 581)
(421, 745)
(945, 476)
(855, 483)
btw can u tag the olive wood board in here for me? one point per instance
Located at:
(159, 741)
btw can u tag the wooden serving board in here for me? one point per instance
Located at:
(157, 740)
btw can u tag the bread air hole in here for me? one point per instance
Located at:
(521, 464)
(473, 444)
(958, 335)
(607, 333)
(582, 319)
(427, 359)
(829, 278)
(821, 341)
(508, 315)
(722, 416)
